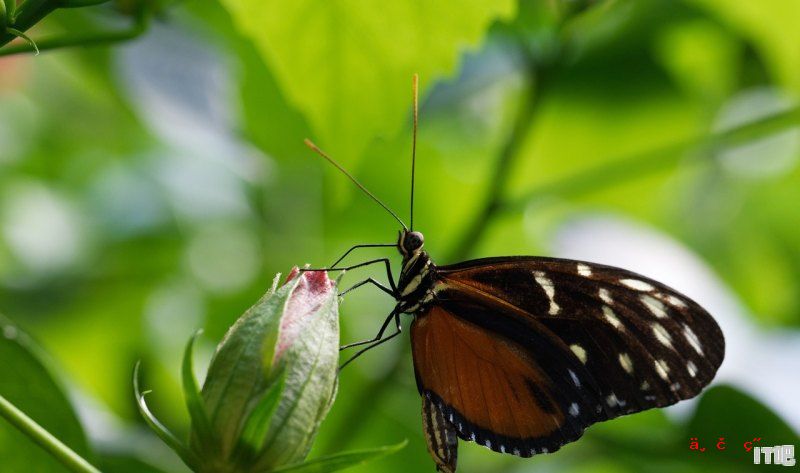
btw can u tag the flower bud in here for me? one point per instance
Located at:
(270, 383)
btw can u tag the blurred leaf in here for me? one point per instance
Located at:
(27, 383)
(771, 25)
(709, 72)
(348, 65)
(724, 411)
(341, 461)
(121, 463)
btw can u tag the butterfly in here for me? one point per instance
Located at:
(521, 354)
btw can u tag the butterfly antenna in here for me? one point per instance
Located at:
(415, 89)
(338, 166)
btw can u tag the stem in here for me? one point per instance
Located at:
(642, 164)
(522, 125)
(81, 3)
(45, 439)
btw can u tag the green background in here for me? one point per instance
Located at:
(154, 187)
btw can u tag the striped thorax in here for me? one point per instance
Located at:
(416, 285)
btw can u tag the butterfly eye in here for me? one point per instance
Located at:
(413, 241)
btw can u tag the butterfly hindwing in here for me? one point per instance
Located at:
(574, 343)
(488, 387)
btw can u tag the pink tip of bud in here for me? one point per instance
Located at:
(312, 290)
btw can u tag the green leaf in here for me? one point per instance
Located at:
(348, 65)
(771, 26)
(163, 433)
(340, 461)
(27, 382)
(201, 425)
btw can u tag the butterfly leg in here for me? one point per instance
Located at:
(364, 245)
(368, 281)
(385, 261)
(393, 314)
(396, 315)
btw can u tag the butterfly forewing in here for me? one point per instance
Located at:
(511, 345)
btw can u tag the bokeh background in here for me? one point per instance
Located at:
(154, 187)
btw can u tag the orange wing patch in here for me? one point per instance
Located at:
(488, 382)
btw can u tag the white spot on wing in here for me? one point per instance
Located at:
(662, 369)
(625, 361)
(611, 317)
(575, 378)
(676, 301)
(549, 290)
(516, 452)
(579, 352)
(574, 410)
(488, 444)
(584, 270)
(662, 335)
(645, 385)
(605, 295)
(612, 400)
(502, 448)
(691, 368)
(544, 450)
(675, 387)
(472, 436)
(655, 306)
(691, 337)
(637, 284)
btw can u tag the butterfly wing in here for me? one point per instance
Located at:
(522, 354)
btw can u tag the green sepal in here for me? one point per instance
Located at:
(340, 461)
(20, 34)
(201, 425)
(163, 433)
(257, 425)
(311, 365)
(8, 12)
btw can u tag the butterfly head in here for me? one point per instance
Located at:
(410, 243)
